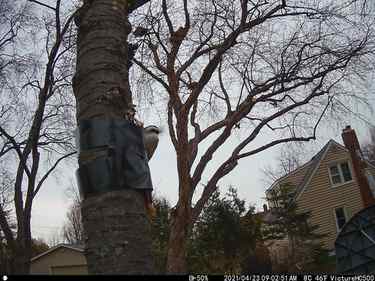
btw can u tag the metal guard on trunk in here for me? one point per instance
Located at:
(112, 157)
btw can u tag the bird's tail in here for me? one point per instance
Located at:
(150, 209)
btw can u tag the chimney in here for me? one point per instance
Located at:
(265, 209)
(350, 139)
(351, 143)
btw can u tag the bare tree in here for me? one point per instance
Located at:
(290, 157)
(35, 113)
(55, 238)
(6, 184)
(369, 147)
(73, 229)
(250, 66)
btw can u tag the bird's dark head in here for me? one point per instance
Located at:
(152, 129)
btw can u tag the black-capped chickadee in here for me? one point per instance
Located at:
(151, 139)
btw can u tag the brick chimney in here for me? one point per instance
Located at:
(351, 143)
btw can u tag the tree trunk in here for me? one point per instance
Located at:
(21, 259)
(176, 259)
(116, 227)
(118, 236)
(21, 264)
(102, 53)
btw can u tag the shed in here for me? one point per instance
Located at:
(63, 259)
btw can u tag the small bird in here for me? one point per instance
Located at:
(140, 31)
(149, 205)
(132, 49)
(151, 139)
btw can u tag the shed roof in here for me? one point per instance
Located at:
(74, 247)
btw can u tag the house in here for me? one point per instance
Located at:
(63, 259)
(333, 186)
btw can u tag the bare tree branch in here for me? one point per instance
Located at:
(43, 4)
(53, 167)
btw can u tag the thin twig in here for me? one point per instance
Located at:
(42, 4)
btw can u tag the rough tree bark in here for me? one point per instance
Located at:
(115, 223)
(118, 239)
(180, 227)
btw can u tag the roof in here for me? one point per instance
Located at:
(314, 166)
(77, 247)
(311, 167)
(298, 170)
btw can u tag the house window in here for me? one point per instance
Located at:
(340, 173)
(340, 217)
(346, 171)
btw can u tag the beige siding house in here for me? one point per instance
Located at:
(62, 259)
(334, 185)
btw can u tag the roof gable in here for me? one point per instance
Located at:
(78, 248)
(295, 175)
(317, 162)
(302, 176)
